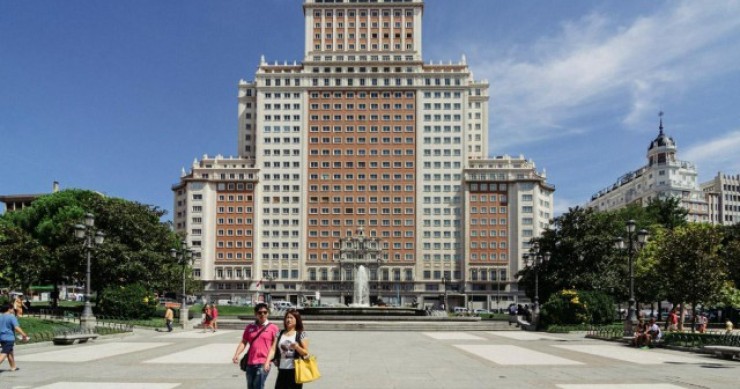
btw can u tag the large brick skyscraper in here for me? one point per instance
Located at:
(361, 141)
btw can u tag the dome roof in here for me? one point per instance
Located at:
(662, 140)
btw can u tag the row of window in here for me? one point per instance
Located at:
(226, 198)
(446, 118)
(488, 274)
(455, 128)
(362, 69)
(474, 198)
(234, 210)
(359, 118)
(238, 220)
(362, 128)
(361, 164)
(491, 210)
(361, 95)
(362, 176)
(372, 222)
(237, 255)
(488, 256)
(245, 272)
(371, 140)
(361, 188)
(363, 46)
(485, 233)
(375, 34)
(486, 245)
(363, 58)
(276, 129)
(229, 232)
(441, 188)
(360, 211)
(442, 177)
(234, 244)
(353, 13)
(361, 106)
(489, 222)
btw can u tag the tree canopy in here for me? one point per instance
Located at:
(37, 243)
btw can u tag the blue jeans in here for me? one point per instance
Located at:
(256, 377)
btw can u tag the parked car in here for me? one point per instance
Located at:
(460, 311)
(282, 305)
(481, 311)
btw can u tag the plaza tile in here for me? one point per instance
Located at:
(514, 355)
(210, 354)
(452, 336)
(86, 353)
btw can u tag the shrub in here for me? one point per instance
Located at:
(564, 307)
(127, 302)
(600, 307)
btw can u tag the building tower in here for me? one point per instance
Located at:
(360, 135)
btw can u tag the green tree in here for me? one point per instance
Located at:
(690, 266)
(21, 258)
(667, 212)
(136, 247)
(580, 246)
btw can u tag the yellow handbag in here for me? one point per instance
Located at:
(306, 370)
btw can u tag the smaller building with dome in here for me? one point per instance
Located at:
(663, 177)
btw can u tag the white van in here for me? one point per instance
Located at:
(460, 311)
(282, 305)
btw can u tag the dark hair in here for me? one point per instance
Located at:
(7, 307)
(260, 306)
(298, 320)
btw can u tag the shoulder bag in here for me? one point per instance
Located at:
(306, 368)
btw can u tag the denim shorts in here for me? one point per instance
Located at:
(6, 346)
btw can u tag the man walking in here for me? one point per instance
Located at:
(260, 336)
(8, 327)
(169, 316)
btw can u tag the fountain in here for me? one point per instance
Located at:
(361, 298)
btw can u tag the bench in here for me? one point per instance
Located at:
(727, 352)
(67, 339)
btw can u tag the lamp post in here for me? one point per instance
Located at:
(444, 285)
(634, 242)
(534, 259)
(268, 276)
(91, 238)
(184, 257)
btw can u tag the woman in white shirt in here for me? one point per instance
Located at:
(291, 344)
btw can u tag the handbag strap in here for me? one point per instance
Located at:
(255, 338)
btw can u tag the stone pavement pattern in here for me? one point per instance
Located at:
(189, 360)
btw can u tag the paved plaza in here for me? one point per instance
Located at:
(507, 359)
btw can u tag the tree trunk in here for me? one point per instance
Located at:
(680, 316)
(660, 310)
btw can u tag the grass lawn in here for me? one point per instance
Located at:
(41, 329)
(224, 310)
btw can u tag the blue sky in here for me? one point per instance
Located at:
(118, 96)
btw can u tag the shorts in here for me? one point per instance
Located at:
(6, 346)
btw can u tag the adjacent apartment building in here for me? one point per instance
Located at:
(723, 196)
(362, 140)
(664, 176)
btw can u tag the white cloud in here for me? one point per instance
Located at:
(718, 154)
(593, 65)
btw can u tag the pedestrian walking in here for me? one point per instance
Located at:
(260, 337)
(169, 316)
(207, 317)
(18, 306)
(8, 327)
(214, 315)
(673, 320)
(291, 344)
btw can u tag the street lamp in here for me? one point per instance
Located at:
(91, 238)
(444, 285)
(268, 276)
(633, 244)
(534, 259)
(184, 257)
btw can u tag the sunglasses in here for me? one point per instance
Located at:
(262, 312)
